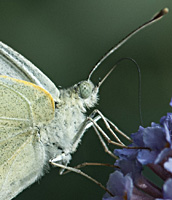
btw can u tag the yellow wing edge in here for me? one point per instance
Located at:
(35, 86)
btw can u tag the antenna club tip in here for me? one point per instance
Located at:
(160, 14)
(165, 11)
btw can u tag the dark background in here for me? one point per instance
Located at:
(65, 39)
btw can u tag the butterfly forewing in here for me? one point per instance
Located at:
(17, 66)
(25, 108)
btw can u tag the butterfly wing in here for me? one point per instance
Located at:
(15, 65)
(24, 109)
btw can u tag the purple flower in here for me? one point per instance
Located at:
(151, 147)
(128, 162)
(157, 138)
(167, 191)
(168, 165)
(167, 121)
(120, 186)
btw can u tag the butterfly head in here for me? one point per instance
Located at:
(87, 93)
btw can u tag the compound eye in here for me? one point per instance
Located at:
(85, 89)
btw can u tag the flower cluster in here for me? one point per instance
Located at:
(154, 150)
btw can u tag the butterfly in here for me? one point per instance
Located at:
(40, 123)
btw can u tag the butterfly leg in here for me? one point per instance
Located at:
(108, 125)
(78, 171)
(91, 121)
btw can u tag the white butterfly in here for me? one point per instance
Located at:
(38, 121)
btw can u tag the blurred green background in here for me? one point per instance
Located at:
(65, 39)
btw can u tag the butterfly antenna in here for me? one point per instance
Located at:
(105, 77)
(155, 18)
(139, 83)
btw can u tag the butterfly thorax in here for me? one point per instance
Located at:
(59, 135)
